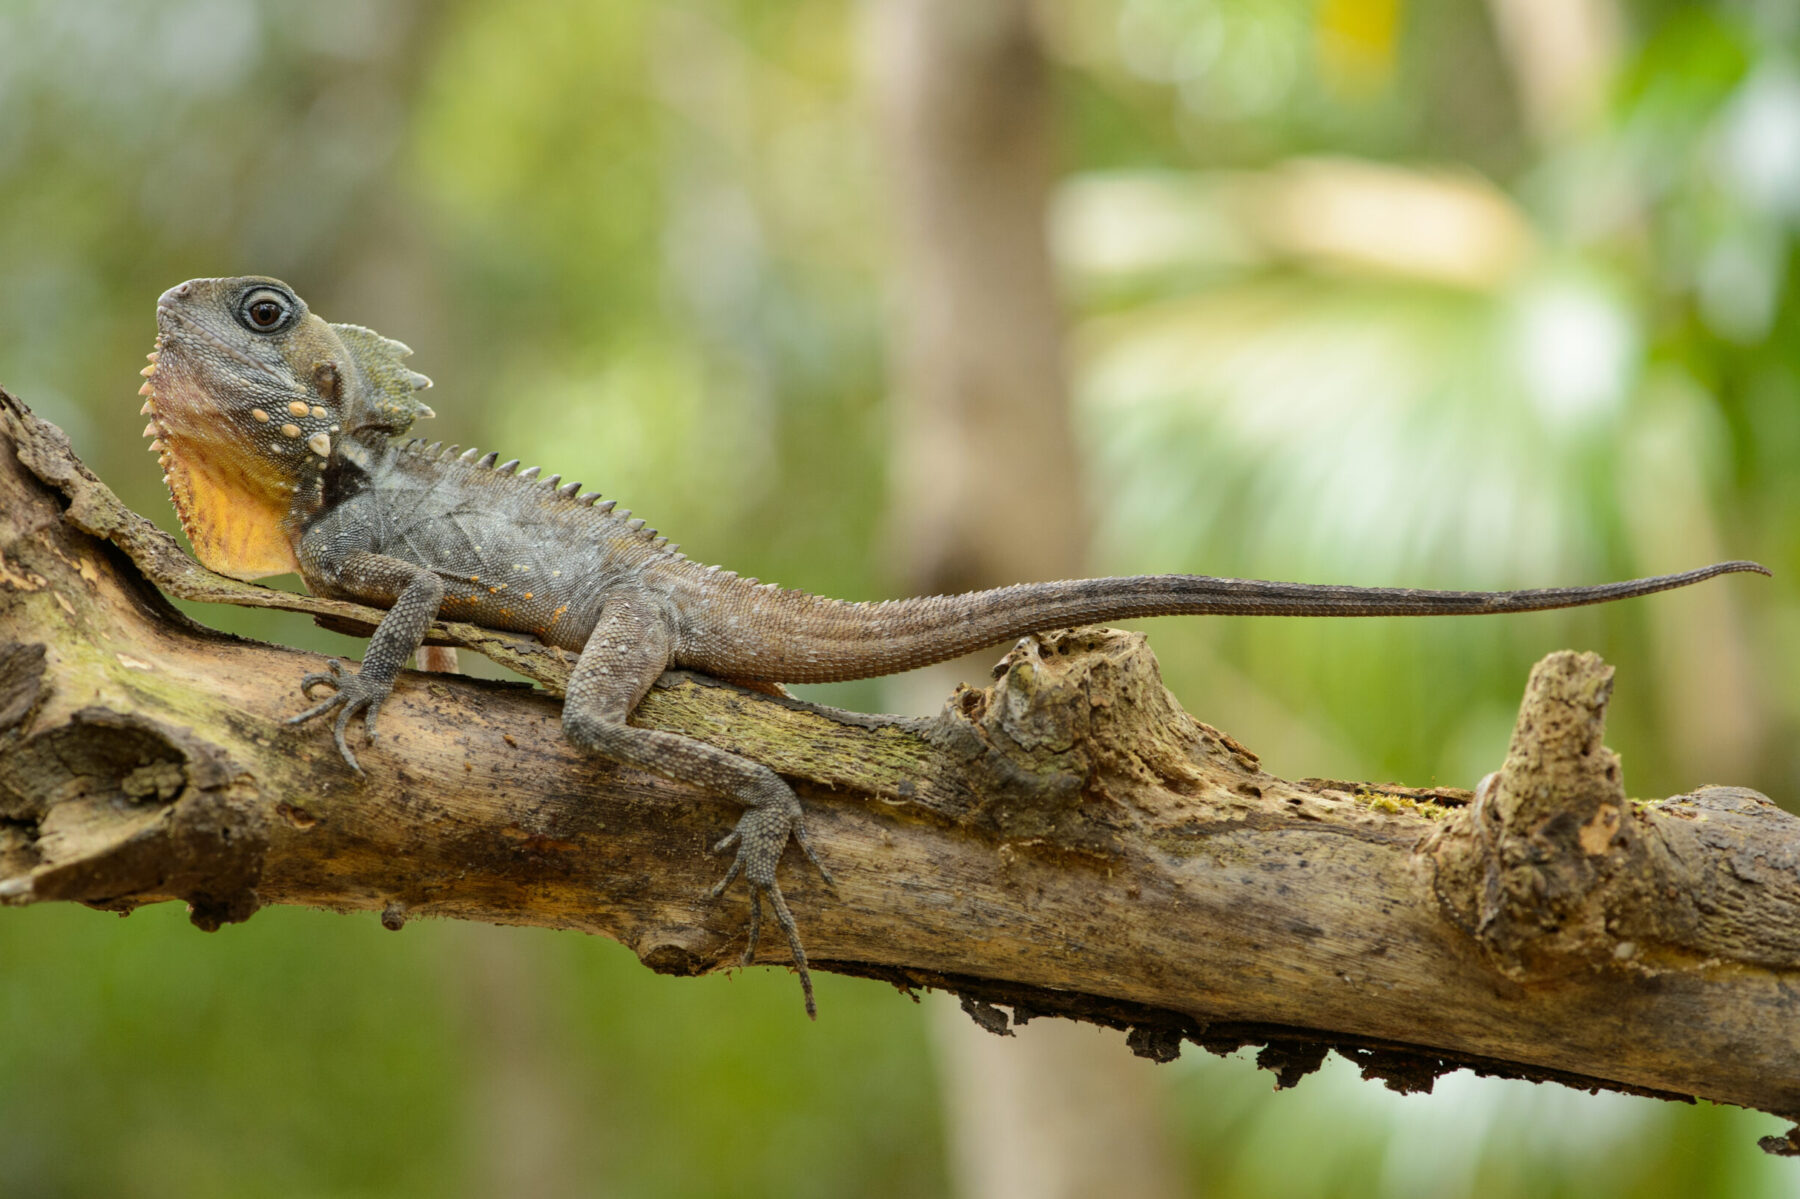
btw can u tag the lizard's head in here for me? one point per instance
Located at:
(250, 398)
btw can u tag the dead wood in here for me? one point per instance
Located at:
(1067, 841)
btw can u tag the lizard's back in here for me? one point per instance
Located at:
(514, 551)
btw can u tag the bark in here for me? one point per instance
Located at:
(1068, 841)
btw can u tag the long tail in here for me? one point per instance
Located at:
(792, 637)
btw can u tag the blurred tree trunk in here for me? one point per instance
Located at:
(983, 450)
(982, 440)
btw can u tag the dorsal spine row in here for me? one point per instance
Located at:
(552, 486)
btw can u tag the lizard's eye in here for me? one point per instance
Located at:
(264, 311)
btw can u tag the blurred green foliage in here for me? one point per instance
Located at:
(1349, 304)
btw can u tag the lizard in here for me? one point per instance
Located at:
(279, 436)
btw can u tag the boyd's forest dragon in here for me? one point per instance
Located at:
(277, 436)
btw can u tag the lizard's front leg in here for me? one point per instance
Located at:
(631, 645)
(417, 594)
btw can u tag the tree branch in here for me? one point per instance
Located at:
(1068, 841)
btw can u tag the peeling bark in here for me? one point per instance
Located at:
(1067, 841)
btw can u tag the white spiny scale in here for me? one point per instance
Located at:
(567, 490)
(470, 454)
(148, 409)
(635, 523)
(606, 507)
(587, 498)
(488, 459)
(530, 472)
(508, 467)
(552, 481)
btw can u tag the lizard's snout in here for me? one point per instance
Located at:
(168, 306)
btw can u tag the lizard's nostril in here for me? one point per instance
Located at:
(178, 292)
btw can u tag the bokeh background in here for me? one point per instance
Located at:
(1471, 293)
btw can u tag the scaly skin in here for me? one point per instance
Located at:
(276, 434)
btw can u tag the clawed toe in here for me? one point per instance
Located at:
(806, 847)
(785, 919)
(318, 709)
(343, 722)
(755, 936)
(333, 674)
(737, 868)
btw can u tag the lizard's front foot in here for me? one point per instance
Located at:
(352, 693)
(761, 835)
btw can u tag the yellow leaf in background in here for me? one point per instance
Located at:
(1355, 41)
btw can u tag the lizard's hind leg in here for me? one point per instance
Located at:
(631, 645)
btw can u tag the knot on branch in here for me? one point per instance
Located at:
(1076, 723)
(1552, 870)
(115, 810)
(1555, 873)
(1525, 867)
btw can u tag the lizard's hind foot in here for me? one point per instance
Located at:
(761, 835)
